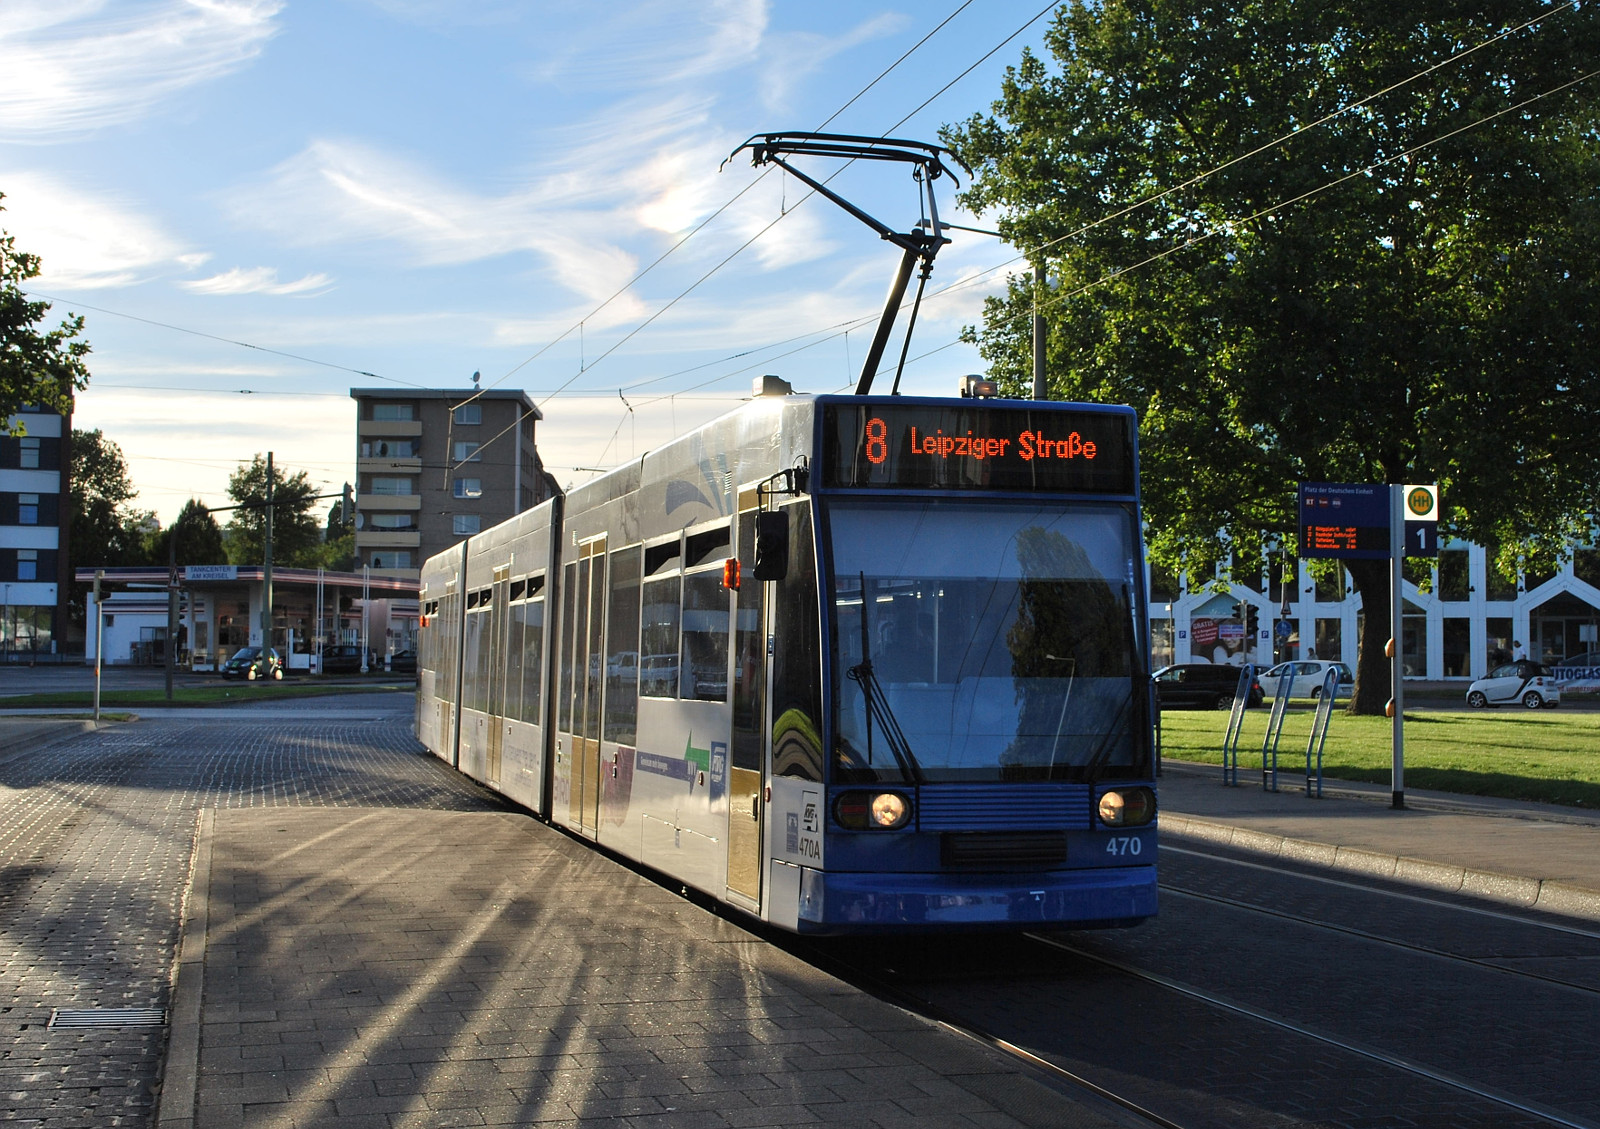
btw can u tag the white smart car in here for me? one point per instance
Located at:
(1522, 681)
(1307, 680)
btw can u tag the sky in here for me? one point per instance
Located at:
(258, 205)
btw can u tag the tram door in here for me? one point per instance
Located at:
(747, 774)
(499, 613)
(588, 667)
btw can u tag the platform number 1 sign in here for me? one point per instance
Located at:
(1422, 520)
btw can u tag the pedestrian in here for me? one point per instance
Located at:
(1518, 651)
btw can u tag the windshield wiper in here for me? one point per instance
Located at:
(878, 703)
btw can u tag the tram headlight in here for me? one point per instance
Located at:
(1127, 807)
(889, 809)
(872, 811)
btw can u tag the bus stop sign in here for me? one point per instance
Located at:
(1421, 510)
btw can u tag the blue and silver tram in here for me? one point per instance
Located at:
(849, 664)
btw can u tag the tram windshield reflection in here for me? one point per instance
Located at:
(1000, 636)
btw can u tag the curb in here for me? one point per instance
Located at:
(48, 736)
(1526, 893)
(181, 1078)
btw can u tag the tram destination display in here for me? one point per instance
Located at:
(968, 446)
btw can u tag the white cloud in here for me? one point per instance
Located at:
(185, 444)
(85, 241)
(75, 65)
(656, 43)
(794, 55)
(335, 192)
(256, 280)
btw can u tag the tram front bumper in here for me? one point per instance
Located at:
(1079, 899)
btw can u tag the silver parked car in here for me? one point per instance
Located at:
(1308, 678)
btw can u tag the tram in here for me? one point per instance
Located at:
(848, 664)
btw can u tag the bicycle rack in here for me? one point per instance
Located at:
(1269, 743)
(1230, 742)
(1319, 729)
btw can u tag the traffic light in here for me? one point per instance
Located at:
(347, 506)
(1252, 623)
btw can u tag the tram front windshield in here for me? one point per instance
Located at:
(986, 641)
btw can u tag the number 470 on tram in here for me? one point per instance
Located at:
(848, 664)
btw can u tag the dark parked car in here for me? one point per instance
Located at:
(345, 659)
(1201, 686)
(402, 662)
(247, 662)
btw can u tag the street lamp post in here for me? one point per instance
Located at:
(99, 639)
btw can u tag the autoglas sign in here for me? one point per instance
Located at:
(977, 448)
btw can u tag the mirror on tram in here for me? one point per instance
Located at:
(772, 546)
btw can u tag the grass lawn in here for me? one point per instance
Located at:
(1547, 755)
(226, 694)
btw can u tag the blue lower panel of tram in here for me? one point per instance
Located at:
(1093, 898)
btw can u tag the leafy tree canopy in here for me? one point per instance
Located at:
(296, 538)
(1403, 293)
(106, 530)
(37, 366)
(194, 538)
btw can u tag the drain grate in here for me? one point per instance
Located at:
(108, 1017)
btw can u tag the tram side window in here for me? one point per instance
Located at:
(569, 613)
(658, 639)
(512, 660)
(533, 659)
(622, 648)
(797, 659)
(474, 693)
(703, 660)
(482, 672)
(749, 658)
(447, 647)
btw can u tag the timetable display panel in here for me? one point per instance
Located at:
(971, 445)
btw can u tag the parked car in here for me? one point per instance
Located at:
(1523, 681)
(1308, 675)
(345, 658)
(248, 663)
(403, 662)
(1586, 665)
(1201, 686)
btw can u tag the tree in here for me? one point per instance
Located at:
(37, 366)
(199, 538)
(1378, 299)
(338, 541)
(106, 531)
(296, 540)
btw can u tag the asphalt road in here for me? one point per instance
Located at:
(1263, 996)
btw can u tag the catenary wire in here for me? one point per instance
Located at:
(980, 276)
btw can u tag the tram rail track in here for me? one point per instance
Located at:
(1352, 1046)
(1122, 1106)
(892, 983)
(1366, 935)
(1401, 895)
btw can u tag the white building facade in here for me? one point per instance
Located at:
(1468, 618)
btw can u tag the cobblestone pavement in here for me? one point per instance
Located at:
(95, 841)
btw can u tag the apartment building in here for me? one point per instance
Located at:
(34, 520)
(438, 465)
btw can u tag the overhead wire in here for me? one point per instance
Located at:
(625, 287)
(1222, 227)
(980, 276)
(214, 337)
(783, 213)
